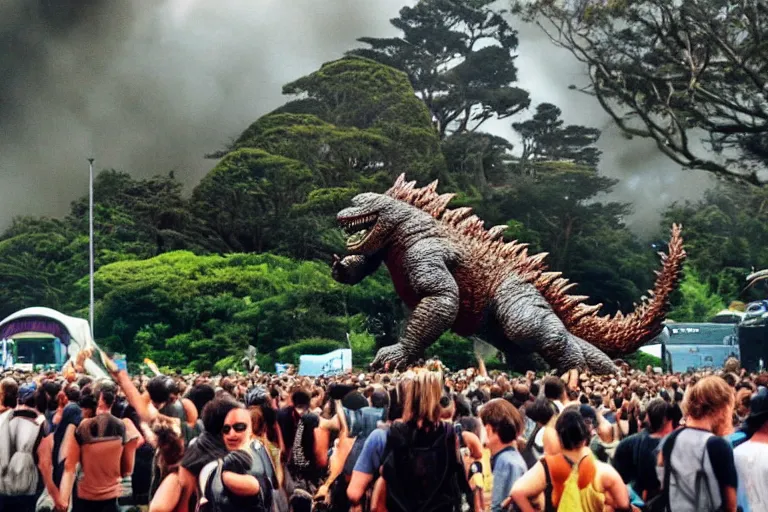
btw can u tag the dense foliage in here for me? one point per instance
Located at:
(192, 282)
(679, 72)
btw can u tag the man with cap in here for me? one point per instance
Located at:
(751, 457)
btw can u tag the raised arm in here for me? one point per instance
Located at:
(68, 478)
(45, 465)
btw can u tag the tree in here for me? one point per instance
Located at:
(365, 94)
(544, 138)
(248, 197)
(355, 126)
(696, 302)
(477, 160)
(726, 236)
(675, 72)
(459, 59)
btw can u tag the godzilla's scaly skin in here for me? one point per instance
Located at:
(454, 274)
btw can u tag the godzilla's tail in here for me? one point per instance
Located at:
(624, 334)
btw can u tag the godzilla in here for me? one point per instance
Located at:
(453, 274)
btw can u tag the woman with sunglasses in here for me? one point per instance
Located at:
(242, 480)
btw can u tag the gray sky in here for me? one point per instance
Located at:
(149, 86)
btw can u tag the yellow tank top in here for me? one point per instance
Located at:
(573, 485)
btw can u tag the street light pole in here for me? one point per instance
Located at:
(90, 239)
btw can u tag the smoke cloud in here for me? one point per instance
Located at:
(647, 178)
(151, 86)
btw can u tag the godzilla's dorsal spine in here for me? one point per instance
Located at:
(621, 334)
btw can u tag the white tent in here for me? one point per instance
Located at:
(79, 332)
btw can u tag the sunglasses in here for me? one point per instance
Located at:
(237, 427)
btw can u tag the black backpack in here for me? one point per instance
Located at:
(423, 476)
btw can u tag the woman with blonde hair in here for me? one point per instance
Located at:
(423, 469)
(696, 461)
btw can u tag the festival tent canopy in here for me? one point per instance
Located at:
(74, 333)
(46, 321)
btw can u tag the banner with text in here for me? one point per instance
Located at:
(332, 363)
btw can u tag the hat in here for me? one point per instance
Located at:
(758, 410)
(354, 401)
(27, 391)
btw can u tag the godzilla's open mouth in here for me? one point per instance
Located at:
(358, 228)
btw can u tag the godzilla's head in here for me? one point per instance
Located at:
(371, 221)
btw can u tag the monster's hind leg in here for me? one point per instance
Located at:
(528, 324)
(432, 316)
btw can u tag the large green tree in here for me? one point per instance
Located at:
(357, 125)
(459, 57)
(675, 72)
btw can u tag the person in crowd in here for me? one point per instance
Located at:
(635, 457)
(367, 467)
(503, 423)
(543, 412)
(696, 461)
(66, 423)
(105, 447)
(555, 392)
(208, 447)
(576, 476)
(25, 449)
(751, 457)
(236, 482)
(422, 468)
(9, 392)
(170, 448)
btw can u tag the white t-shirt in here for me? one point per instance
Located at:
(751, 461)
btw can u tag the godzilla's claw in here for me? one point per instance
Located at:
(337, 268)
(392, 357)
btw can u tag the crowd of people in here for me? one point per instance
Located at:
(426, 439)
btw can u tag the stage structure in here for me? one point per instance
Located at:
(41, 338)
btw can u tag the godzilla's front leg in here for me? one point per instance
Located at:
(353, 269)
(434, 315)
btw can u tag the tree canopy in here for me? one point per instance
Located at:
(690, 74)
(459, 59)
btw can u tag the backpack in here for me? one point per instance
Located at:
(572, 497)
(19, 475)
(528, 454)
(660, 503)
(423, 475)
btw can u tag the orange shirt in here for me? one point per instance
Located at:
(101, 441)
